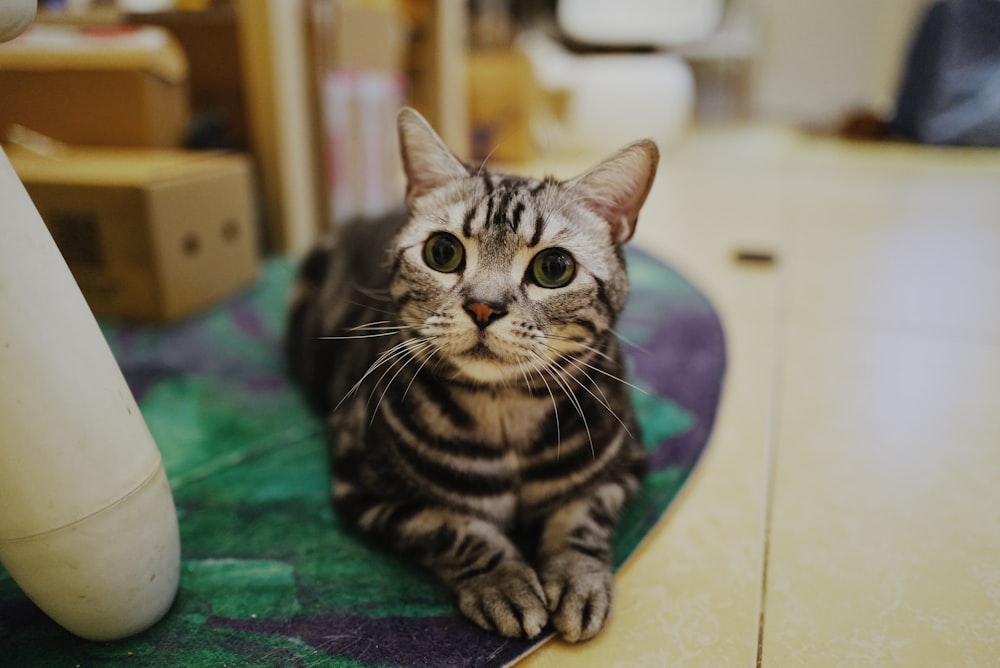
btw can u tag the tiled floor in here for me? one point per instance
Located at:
(847, 512)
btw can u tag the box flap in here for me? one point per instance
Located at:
(49, 47)
(112, 166)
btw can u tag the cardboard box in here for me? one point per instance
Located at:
(149, 235)
(112, 86)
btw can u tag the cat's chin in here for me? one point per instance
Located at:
(484, 372)
(484, 368)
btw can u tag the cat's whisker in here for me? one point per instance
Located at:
(614, 377)
(381, 328)
(482, 165)
(383, 358)
(603, 399)
(555, 407)
(632, 344)
(403, 353)
(369, 325)
(583, 372)
(377, 294)
(578, 343)
(410, 356)
(401, 360)
(598, 369)
(358, 336)
(370, 330)
(560, 358)
(555, 373)
(434, 351)
(367, 306)
(558, 375)
(370, 307)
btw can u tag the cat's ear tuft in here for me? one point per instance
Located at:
(427, 161)
(617, 188)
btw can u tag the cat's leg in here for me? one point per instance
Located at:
(493, 584)
(575, 559)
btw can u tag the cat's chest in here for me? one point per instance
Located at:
(510, 420)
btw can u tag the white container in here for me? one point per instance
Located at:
(87, 522)
(616, 99)
(638, 22)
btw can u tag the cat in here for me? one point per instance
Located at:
(463, 353)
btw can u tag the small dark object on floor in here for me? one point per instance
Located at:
(863, 125)
(758, 257)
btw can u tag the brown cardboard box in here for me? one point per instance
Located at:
(124, 86)
(148, 234)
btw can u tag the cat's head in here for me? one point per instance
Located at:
(507, 276)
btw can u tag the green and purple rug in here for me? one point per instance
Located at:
(269, 576)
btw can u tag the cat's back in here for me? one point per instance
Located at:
(357, 251)
(341, 283)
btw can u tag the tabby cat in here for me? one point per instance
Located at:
(464, 354)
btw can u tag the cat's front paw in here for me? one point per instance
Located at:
(579, 590)
(508, 600)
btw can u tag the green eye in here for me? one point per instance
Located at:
(444, 253)
(553, 268)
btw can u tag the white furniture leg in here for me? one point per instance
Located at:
(87, 522)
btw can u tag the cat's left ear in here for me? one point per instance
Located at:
(427, 161)
(617, 188)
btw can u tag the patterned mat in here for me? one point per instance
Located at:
(269, 576)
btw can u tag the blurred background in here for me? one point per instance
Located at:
(307, 90)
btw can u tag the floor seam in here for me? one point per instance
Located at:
(771, 461)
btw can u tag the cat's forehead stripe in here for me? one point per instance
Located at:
(467, 221)
(536, 236)
(507, 199)
(515, 216)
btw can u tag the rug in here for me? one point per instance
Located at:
(269, 576)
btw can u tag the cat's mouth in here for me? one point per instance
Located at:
(481, 352)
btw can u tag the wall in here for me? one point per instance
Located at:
(818, 59)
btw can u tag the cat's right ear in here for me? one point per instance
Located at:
(427, 161)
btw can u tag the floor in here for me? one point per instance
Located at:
(847, 511)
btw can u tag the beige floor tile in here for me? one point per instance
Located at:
(884, 548)
(906, 237)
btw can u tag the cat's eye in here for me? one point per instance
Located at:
(444, 253)
(553, 268)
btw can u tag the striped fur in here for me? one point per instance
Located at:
(452, 434)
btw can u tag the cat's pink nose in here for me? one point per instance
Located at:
(483, 314)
